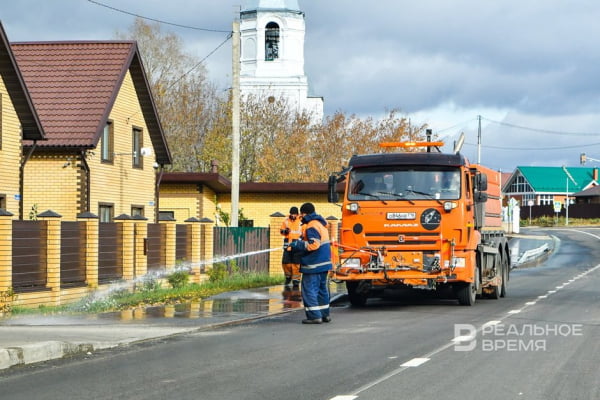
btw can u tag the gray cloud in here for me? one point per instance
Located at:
(531, 63)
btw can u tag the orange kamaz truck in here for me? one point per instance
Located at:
(424, 220)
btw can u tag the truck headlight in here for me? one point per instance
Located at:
(459, 262)
(352, 207)
(449, 205)
(351, 263)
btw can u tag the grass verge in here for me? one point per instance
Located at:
(149, 293)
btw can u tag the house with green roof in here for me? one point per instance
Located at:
(545, 185)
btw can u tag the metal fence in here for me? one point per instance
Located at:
(233, 242)
(575, 211)
(109, 242)
(72, 245)
(28, 255)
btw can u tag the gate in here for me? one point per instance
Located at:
(229, 241)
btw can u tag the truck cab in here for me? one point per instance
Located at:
(411, 219)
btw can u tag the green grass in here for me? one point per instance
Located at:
(149, 294)
(560, 221)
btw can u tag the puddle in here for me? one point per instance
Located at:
(242, 303)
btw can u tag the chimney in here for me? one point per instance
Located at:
(214, 167)
(595, 174)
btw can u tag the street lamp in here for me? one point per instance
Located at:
(583, 158)
(567, 194)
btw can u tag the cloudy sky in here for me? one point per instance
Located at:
(529, 68)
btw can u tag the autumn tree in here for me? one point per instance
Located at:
(277, 142)
(186, 101)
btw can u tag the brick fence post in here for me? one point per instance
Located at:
(207, 237)
(140, 234)
(194, 249)
(275, 240)
(6, 234)
(168, 242)
(52, 222)
(127, 248)
(90, 256)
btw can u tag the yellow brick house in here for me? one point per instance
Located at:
(18, 120)
(104, 137)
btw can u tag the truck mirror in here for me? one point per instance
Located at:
(332, 194)
(480, 197)
(481, 182)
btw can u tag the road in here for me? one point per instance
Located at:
(540, 342)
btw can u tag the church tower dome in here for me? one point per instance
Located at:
(272, 54)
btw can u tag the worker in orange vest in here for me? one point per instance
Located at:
(291, 230)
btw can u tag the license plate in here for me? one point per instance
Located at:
(401, 215)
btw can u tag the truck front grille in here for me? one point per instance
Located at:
(402, 238)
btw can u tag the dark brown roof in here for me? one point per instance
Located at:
(214, 181)
(74, 86)
(19, 96)
(221, 184)
(593, 191)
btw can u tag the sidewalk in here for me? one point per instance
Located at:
(34, 338)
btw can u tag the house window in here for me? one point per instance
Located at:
(3, 201)
(520, 185)
(137, 147)
(107, 143)
(137, 211)
(106, 212)
(166, 215)
(546, 200)
(271, 41)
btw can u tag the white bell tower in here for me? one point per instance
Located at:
(272, 54)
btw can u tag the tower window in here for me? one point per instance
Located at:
(271, 41)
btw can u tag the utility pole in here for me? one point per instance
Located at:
(235, 124)
(567, 194)
(479, 140)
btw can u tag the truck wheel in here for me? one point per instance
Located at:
(467, 293)
(357, 299)
(504, 277)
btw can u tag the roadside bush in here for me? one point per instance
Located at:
(221, 271)
(178, 279)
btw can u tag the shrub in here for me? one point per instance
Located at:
(221, 271)
(178, 279)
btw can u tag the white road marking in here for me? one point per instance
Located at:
(415, 362)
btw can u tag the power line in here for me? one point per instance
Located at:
(201, 61)
(541, 130)
(534, 148)
(156, 20)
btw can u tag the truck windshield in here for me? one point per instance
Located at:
(426, 183)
